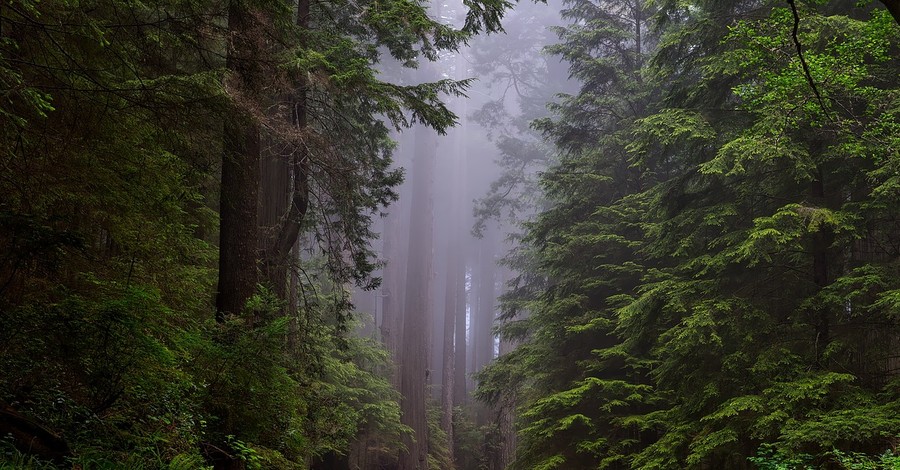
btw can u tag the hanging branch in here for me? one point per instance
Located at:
(806, 72)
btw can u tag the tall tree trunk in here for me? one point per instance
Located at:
(447, 367)
(275, 192)
(455, 289)
(392, 279)
(240, 167)
(460, 347)
(439, 290)
(413, 361)
(284, 186)
(484, 283)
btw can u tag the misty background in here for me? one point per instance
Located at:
(444, 243)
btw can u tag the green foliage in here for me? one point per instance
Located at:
(466, 439)
(711, 273)
(858, 461)
(12, 459)
(112, 115)
(288, 405)
(244, 452)
(438, 445)
(767, 458)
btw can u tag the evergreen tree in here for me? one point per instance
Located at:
(708, 274)
(115, 117)
(586, 255)
(762, 228)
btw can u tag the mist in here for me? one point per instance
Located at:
(446, 244)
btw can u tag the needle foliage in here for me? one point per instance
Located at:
(714, 283)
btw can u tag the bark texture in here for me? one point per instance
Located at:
(240, 166)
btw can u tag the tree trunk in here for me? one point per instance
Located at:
(484, 283)
(822, 239)
(413, 361)
(449, 354)
(507, 413)
(392, 279)
(240, 168)
(460, 391)
(275, 192)
(455, 270)
(454, 301)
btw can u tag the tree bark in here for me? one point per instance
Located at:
(240, 167)
(821, 241)
(285, 187)
(275, 191)
(507, 412)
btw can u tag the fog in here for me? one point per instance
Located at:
(458, 215)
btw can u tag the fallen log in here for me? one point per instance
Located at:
(31, 437)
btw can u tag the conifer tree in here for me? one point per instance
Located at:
(707, 272)
(115, 118)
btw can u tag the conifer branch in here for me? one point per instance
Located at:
(806, 71)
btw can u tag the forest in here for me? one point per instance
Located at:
(444, 235)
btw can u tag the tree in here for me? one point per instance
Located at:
(238, 219)
(115, 117)
(723, 210)
(324, 65)
(417, 309)
(789, 175)
(107, 159)
(527, 79)
(455, 303)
